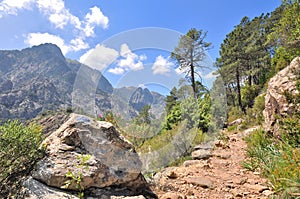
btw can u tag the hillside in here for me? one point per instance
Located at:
(41, 78)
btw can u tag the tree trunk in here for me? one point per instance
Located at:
(193, 72)
(193, 81)
(237, 73)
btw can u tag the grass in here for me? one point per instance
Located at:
(277, 160)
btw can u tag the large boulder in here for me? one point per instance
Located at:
(91, 156)
(281, 89)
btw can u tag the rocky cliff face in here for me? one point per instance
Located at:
(140, 98)
(93, 152)
(41, 78)
(130, 101)
(281, 90)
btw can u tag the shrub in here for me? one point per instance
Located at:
(19, 150)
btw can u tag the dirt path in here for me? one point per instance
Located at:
(221, 176)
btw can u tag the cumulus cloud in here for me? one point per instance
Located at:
(38, 38)
(130, 60)
(99, 57)
(9, 7)
(93, 19)
(60, 17)
(162, 66)
(41, 38)
(116, 71)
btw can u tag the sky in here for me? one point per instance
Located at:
(128, 40)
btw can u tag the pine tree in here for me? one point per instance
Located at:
(190, 53)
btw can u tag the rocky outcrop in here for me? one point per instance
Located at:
(281, 89)
(85, 155)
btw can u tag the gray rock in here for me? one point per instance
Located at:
(200, 181)
(37, 190)
(112, 160)
(201, 154)
(276, 103)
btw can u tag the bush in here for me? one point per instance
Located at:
(19, 150)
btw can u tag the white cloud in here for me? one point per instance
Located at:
(34, 39)
(116, 71)
(61, 17)
(99, 57)
(11, 7)
(93, 19)
(162, 66)
(130, 61)
(57, 14)
(78, 44)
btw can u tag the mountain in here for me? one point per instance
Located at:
(130, 100)
(41, 78)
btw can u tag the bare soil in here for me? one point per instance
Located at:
(221, 176)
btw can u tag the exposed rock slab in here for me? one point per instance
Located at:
(37, 190)
(276, 102)
(92, 151)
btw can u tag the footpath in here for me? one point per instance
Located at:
(215, 173)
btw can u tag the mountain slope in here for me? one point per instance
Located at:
(41, 78)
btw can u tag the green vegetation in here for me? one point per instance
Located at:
(277, 160)
(19, 151)
(76, 176)
(190, 53)
(253, 52)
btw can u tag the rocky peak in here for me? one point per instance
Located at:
(281, 87)
(140, 98)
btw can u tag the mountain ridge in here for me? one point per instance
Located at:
(40, 78)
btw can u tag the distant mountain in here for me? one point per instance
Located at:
(130, 100)
(41, 78)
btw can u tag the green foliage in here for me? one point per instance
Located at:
(144, 116)
(171, 100)
(255, 114)
(234, 113)
(249, 92)
(195, 111)
(19, 150)
(190, 53)
(277, 159)
(285, 35)
(76, 176)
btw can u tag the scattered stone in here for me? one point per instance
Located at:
(257, 188)
(236, 122)
(205, 146)
(200, 181)
(172, 174)
(201, 154)
(240, 181)
(192, 162)
(230, 185)
(267, 192)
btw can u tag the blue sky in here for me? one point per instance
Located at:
(88, 30)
